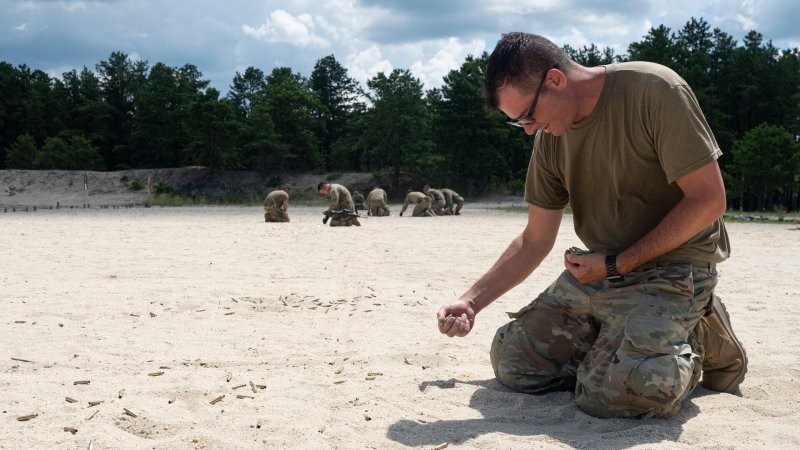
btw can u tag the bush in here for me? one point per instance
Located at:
(136, 185)
(163, 188)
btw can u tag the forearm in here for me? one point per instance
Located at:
(689, 217)
(519, 260)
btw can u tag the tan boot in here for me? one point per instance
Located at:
(725, 361)
(354, 221)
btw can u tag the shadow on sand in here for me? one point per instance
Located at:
(554, 415)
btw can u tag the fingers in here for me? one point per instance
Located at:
(454, 325)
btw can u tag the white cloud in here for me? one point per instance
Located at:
(23, 27)
(283, 27)
(450, 56)
(365, 64)
(73, 6)
(746, 22)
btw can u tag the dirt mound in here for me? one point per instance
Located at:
(46, 188)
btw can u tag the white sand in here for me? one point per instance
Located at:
(309, 312)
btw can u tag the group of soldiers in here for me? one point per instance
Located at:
(343, 209)
(433, 202)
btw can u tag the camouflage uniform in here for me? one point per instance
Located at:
(376, 203)
(438, 202)
(626, 348)
(453, 202)
(273, 207)
(421, 202)
(341, 199)
(358, 200)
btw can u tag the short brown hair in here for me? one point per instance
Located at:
(520, 59)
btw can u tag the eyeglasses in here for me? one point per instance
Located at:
(528, 118)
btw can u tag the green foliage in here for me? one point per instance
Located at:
(398, 125)
(163, 188)
(136, 185)
(765, 172)
(22, 153)
(11, 190)
(338, 96)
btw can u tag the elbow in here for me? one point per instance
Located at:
(719, 207)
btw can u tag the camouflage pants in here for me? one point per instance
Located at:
(379, 211)
(274, 214)
(343, 221)
(423, 210)
(438, 207)
(626, 348)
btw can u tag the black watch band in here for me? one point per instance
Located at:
(611, 269)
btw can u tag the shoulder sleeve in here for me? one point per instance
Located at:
(334, 198)
(682, 138)
(544, 185)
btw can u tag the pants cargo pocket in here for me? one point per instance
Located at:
(654, 368)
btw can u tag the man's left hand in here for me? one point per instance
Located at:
(586, 268)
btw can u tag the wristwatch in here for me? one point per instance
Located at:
(611, 269)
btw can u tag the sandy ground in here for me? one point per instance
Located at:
(319, 337)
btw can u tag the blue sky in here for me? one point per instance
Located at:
(428, 37)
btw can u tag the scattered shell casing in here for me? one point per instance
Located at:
(95, 403)
(258, 424)
(81, 382)
(253, 387)
(441, 446)
(70, 400)
(91, 445)
(244, 396)
(217, 400)
(155, 374)
(172, 400)
(121, 393)
(239, 386)
(374, 374)
(129, 412)
(71, 429)
(27, 418)
(228, 377)
(21, 360)
(91, 416)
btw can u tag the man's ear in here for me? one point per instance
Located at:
(556, 79)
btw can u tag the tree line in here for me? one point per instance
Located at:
(128, 114)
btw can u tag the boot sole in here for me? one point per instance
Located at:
(722, 312)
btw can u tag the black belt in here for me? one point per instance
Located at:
(655, 264)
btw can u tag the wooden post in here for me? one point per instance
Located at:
(85, 189)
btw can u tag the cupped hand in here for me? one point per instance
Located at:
(587, 267)
(456, 319)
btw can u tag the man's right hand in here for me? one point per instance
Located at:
(456, 319)
(401, 213)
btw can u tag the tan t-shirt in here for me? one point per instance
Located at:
(617, 168)
(376, 197)
(276, 199)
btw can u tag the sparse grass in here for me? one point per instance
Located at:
(178, 200)
(512, 209)
(760, 217)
